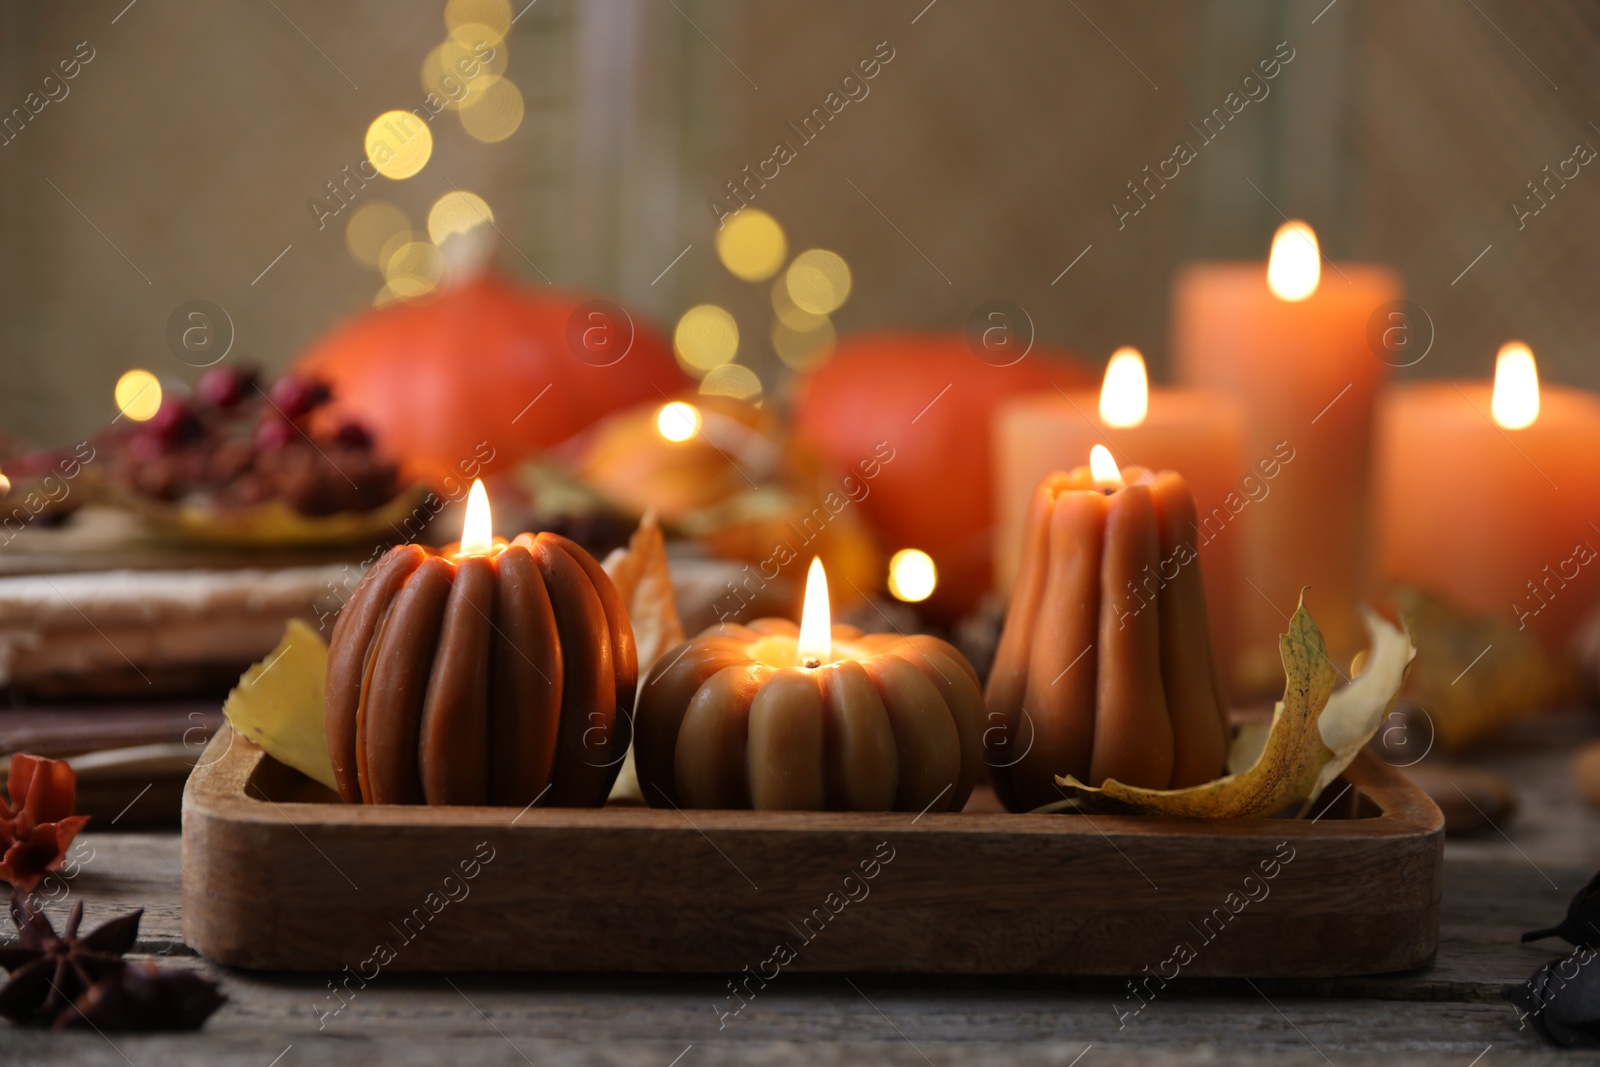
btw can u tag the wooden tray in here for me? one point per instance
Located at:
(277, 874)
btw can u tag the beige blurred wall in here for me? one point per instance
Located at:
(982, 162)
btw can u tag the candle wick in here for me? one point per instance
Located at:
(813, 663)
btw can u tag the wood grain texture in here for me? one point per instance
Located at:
(638, 890)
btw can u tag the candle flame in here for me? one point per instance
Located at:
(477, 530)
(1515, 403)
(678, 421)
(1125, 394)
(1295, 266)
(816, 620)
(912, 575)
(1104, 469)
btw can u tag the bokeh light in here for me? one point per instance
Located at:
(138, 395)
(788, 314)
(399, 144)
(678, 421)
(414, 268)
(370, 227)
(456, 212)
(912, 575)
(751, 245)
(494, 114)
(494, 15)
(456, 72)
(803, 350)
(5, 484)
(818, 281)
(706, 337)
(732, 379)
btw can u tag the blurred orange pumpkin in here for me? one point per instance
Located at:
(488, 372)
(929, 401)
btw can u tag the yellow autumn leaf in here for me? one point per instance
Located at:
(278, 703)
(1314, 735)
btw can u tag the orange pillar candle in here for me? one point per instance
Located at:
(1198, 433)
(484, 673)
(817, 717)
(1491, 497)
(1104, 668)
(1290, 343)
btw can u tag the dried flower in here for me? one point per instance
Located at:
(38, 826)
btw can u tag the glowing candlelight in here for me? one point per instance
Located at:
(1125, 394)
(1515, 401)
(1104, 469)
(1295, 266)
(816, 620)
(912, 575)
(678, 421)
(477, 530)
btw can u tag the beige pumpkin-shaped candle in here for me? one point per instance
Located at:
(485, 673)
(772, 716)
(1104, 668)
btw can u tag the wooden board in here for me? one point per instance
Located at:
(277, 874)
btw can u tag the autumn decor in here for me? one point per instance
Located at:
(71, 981)
(1316, 731)
(38, 826)
(1562, 998)
(931, 399)
(1104, 668)
(716, 471)
(488, 362)
(484, 673)
(776, 717)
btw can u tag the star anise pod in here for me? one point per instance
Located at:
(1581, 927)
(48, 972)
(1562, 1000)
(142, 996)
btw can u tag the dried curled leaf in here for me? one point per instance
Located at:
(1314, 735)
(278, 703)
(644, 582)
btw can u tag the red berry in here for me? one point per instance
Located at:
(224, 387)
(274, 433)
(174, 421)
(295, 396)
(354, 435)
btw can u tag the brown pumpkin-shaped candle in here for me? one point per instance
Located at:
(773, 716)
(485, 673)
(1104, 668)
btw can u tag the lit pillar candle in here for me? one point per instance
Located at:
(1290, 343)
(483, 673)
(1195, 432)
(1104, 668)
(1491, 497)
(814, 717)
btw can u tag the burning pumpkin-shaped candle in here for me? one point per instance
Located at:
(1104, 668)
(777, 717)
(485, 673)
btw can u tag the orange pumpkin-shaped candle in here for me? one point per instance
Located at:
(486, 673)
(1104, 668)
(777, 717)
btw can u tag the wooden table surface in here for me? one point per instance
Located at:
(1497, 885)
